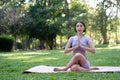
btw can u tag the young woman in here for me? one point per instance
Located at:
(79, 44)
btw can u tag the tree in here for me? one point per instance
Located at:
(14, 19)
(117, 4)
(73, 11)
(103, 17)
(46, 16)
(9, 16)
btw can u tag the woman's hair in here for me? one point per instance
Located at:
(82, 24)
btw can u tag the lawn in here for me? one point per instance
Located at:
(12, 64)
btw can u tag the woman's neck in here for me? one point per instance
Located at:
(81, 34)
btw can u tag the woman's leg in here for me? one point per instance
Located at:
(77, 58)
(77, 67)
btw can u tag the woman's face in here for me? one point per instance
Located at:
(80, 28)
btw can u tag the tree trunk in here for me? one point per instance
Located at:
(67, 14)
(41, 46)
(105, 41)
(61, 42)
(117, 4)
(50, 43)
(116, 37)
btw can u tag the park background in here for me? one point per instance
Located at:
(47, 24)
(34, 32)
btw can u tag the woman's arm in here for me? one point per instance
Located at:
(91, 48)
(68, 48)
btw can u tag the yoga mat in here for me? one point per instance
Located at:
(49, 69)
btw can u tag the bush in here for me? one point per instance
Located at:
(6, 42)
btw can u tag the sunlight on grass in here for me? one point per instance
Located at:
(29, 56)
(42, 59)
(8, 54)
(30, 53)
(110, 47)
(40, 53)
(115, 47)
(20, 57)
(16, 56)
(62, 51)
(25, 53)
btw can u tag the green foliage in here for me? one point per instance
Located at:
(6, 42)
(76, 11)
(45, 21)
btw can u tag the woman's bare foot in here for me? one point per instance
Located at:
(59, 69)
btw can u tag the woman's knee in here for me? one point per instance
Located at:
(78, 55)
(75, 67)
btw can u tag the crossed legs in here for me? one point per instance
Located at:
(80, 60)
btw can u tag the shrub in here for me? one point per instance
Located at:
(6, 42)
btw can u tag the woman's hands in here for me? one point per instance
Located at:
(91, 47)
(78, 42)
(68, 47)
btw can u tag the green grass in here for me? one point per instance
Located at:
(12, 64)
